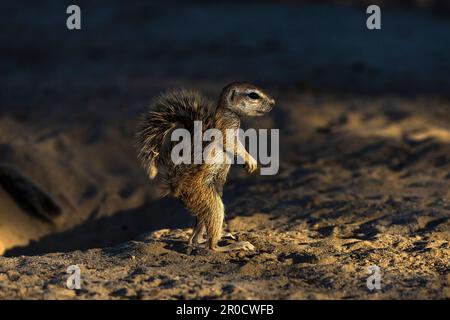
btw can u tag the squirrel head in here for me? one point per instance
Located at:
(246, 99)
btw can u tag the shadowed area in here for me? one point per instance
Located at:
(364, 149)
(109, 231)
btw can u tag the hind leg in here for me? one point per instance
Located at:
(207, 206)
(197, 236)
(213, 220)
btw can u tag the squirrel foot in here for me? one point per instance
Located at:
(195, 239)
(191, 245)
(241, 245)
(201, 241)
(229, 235)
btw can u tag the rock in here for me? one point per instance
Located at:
(28, 195)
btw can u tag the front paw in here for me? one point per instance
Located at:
(251, 166)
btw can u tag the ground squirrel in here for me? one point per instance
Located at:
(198, 186)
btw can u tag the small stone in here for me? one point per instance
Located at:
(122, 292)
(241, 254)
(13, 275)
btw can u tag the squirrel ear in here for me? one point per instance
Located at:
(231, 95)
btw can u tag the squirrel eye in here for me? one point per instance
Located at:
(253, 95)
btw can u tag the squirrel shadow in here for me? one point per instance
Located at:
(112, 230)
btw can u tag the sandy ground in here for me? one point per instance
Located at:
(364, 137)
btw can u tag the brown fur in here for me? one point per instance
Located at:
(197, 186)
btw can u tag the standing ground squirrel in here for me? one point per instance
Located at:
(199, 186)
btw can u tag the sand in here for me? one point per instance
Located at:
(364, 168)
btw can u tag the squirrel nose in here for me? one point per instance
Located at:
(272, 102)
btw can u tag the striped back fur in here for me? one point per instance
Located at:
(170, 110)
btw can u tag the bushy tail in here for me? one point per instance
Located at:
(170, 110)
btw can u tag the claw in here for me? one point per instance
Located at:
(251, 167)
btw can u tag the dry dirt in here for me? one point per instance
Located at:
(356, 189)
(364, 155)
